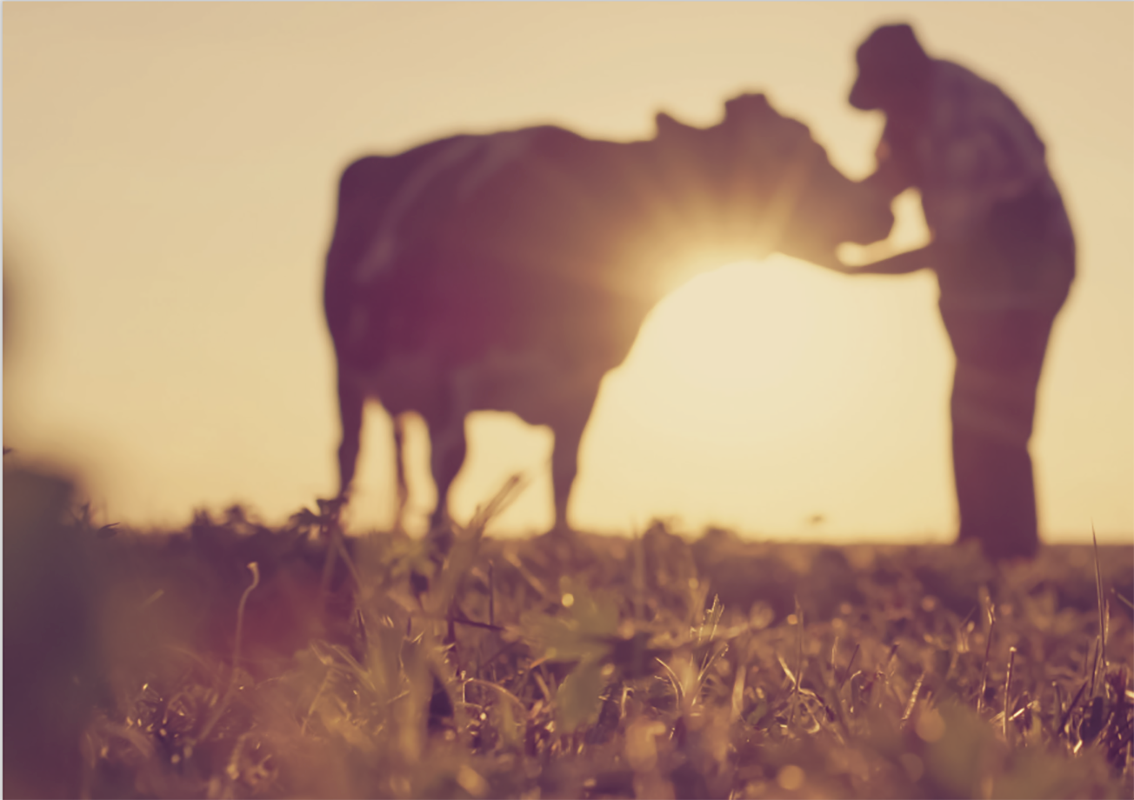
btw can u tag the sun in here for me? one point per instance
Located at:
(743, 334)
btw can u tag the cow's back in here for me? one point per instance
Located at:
(505, 232)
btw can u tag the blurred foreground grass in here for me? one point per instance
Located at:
(165, 665)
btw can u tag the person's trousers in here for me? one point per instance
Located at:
(1000, 356)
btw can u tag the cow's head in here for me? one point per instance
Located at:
(776, 189)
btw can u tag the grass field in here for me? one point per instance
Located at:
(233, 660)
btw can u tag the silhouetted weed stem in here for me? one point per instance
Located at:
(987, 653)
(850, 663)
(1103, 616)
(798, 660)
(254, 568)
(491, 593)
(1008, 690)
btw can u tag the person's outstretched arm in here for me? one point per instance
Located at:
(901, 264)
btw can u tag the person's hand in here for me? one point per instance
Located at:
(838, 265)
(828, 260)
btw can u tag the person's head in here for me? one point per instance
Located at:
(892, 70)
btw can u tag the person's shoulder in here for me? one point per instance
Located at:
(962, 88)
(952, 76)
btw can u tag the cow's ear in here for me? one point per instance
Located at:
(749, 107)
(669, 127)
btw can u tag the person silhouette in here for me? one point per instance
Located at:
(1004, 254)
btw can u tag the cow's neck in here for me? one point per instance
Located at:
(698, 215)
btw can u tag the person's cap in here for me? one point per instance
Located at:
(890, 57)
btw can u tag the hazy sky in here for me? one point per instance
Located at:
(169, 176)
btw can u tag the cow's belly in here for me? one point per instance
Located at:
(404, 382)
(538, 390)
(535, 388)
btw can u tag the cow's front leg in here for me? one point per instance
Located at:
(448, 448)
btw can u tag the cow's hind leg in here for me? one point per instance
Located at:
(351, 401)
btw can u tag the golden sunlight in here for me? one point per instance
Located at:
(745, 328)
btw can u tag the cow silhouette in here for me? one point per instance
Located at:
(511, 271)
